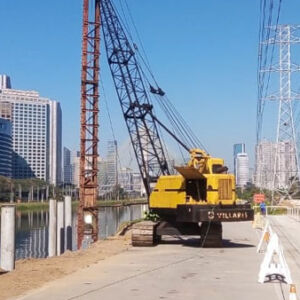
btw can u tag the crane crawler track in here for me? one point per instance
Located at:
(144, 234)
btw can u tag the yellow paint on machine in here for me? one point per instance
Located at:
(201, 182)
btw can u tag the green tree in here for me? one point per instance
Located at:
(5, 189)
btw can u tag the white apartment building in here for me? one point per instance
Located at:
(36, 133)
(242, 169)
(75, 168)
(265, 169)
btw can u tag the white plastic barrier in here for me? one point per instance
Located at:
(274, 263)
(265, 237)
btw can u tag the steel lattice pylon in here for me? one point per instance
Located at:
(284, 157)
(89, 117)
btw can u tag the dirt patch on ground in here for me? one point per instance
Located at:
(33, 273)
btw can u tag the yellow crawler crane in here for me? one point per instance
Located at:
(203, 193)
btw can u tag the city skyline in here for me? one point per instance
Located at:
(111, 172)
(186, 83)
(189, 80)
(36, 133)
(144, 141)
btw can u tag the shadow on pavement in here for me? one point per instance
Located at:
(275, 278)
(230, 244)
(195, 242)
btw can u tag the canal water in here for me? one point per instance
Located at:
(32, 228)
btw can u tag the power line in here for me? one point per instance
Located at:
(263, 57)
(110, 119)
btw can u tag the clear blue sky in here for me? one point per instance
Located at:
(204, 55)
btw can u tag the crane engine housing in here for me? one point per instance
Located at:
(202, 191)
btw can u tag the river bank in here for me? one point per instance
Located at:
(33, 273)
(37, 206)
(32, 227)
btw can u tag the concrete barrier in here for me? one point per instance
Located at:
(8, 236)
(52, 228)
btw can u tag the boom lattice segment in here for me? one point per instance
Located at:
(133, 97)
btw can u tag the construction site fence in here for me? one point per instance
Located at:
(273, 210)
(294, 212)
(280, 210)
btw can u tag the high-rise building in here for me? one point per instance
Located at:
(55, 142)
(242, 169)
(5, 148)
(237, 148)
(267, 166)
(104, 186)
(36, 133)
(126, 180)
(110, 175)
(75, 167)
(131, 181)
(67, 166)
(5, 82)
(111, 160)
(137, 184)
(108, 169)
(265, 155)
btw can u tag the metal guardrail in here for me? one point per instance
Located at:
(272, 208)
(294, 212)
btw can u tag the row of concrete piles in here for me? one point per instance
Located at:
(60, 231)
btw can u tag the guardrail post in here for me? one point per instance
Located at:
(8, 235)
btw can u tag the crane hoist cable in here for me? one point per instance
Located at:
(110, 120)
(146, 63)
(175, 118)
(263, 57)
(169, 109)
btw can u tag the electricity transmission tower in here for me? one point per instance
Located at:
(285, 167)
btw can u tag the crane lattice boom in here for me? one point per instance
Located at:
(133, 97)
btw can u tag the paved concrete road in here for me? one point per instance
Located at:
(288, 230)
(177, 269)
